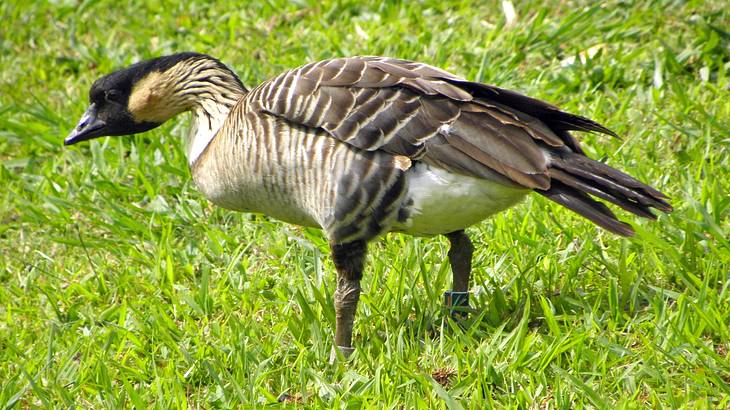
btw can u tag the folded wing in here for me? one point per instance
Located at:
(427, 114)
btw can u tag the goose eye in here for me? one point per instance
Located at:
(113, 96)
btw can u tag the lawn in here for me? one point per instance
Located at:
(120, 286)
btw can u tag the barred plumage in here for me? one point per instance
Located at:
(365, 145)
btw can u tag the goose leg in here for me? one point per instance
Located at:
(460, 255)
(349, 260)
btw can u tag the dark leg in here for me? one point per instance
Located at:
(460, 255)
(349, 260)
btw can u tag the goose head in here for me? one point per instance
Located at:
(144, 95)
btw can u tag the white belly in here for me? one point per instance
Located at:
(444, 202)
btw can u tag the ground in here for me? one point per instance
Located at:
(121, 286)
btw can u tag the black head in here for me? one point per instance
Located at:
(109, 113)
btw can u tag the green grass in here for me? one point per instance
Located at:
(121, 287)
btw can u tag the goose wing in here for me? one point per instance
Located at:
(427, 114)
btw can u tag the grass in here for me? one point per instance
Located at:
(121, 287)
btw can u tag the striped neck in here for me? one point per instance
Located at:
(212, 90)
(208, 116)
(191, 82)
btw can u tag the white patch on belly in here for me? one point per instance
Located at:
(445, 202)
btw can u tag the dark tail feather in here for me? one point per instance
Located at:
(581, 203)
(574, 176)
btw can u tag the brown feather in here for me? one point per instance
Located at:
(506, 144)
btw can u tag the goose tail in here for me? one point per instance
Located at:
(575, 178)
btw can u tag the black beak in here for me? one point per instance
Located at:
(89, 127)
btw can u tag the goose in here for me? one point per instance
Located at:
(362, 146)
